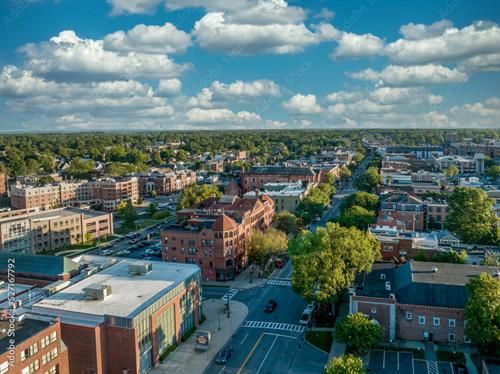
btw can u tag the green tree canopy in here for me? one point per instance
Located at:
(369, 180)
(197, 193)
(128, 214)
(326, 262)
(347, 364)
(345, 173)
(471, 215)
(483, 312)
(356, 216)
(451, 171)
(452, 257)
(286, 222)
(359, 332)
(363, 199)
(493, 172)
(263, 244)
(80, 169)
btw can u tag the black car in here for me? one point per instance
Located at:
(224, 355)
(270, 306)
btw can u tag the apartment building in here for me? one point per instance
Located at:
(33, 231)
(162, 183)
(214, 234)
(286, 196)
(111, 191)
(257, 176)
(35, 347)
(465, 164)
(124, 317)
(418, 300)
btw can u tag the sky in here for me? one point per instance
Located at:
(104, 65)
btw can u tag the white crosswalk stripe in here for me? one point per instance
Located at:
(229, 294)
(432, 367)
(273, 326)
(278, 282)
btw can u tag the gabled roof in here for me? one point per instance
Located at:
(224, 223)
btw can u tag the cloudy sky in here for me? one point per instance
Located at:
(68, 65)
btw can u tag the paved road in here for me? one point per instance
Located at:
(270, 342)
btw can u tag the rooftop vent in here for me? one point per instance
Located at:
(140, 268)
(97, 291)
(392, 296)
(387, 286)
(382, 276)
(435, 269)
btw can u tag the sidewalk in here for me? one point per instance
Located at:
(185, 359)
(338, 349)
(241, 282)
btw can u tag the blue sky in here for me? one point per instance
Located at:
(71, 65)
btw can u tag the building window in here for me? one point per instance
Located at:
(4, 367)
(33, 367)
(451, 337)
(436, 321)
(30, 351)
(421, 320)
(408, 316)
(451, 323)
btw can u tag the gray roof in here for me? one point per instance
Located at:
(38, 264)
(281, 170)
(417, 283)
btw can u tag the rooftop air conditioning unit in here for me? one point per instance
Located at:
(382, 276)
(140, 268)
(97, 291)
(435, 269)
(392, 296)
(387, 286)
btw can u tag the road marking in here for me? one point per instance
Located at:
(246, 336)
(222, 370)
(383, 362)
(273, 326)
(267, 354)
(398, 359)
(276, 282)
(432, 367)
(250, 354)
(229, 294)
(280, 335)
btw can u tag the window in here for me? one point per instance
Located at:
(451, 323)
(421, 320)
(34, 366)
(451, 337)
(30, 351)
(4, 367)
(436, 321)
(49, 356)
(45, 341)
(408, 316)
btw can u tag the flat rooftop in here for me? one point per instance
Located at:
(130, 294)
(449, 274)
(25, 329)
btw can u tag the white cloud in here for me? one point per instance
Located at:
(399, 95)
(68, 57)
(488, 62)
(325, 14)
(302, 104)
(276, 124)
(419, 31)
(164, 39)
(262, 87)
(120, 7)
(220, 115)
(169, 87)
(202, 99)
(411, 75)
(344, 96)
(355, 46)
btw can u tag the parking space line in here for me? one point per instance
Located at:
(398, 358)
(452, 371)
(383, 361)
(412, 364)
(220, 372)
(246, 336)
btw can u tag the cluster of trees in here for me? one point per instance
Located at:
(493, 172)
(346, 364)
(452, 256)
(472, 217)
(264, 244)
(359, 210)
(128, 214)
(287, 222)
(369, 180)
(325, 262)
(315, 202)
(359, 333)
(196, 193)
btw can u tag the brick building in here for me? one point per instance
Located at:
(111, 191)
(418, 300)
(30, 230)
(37, 347)
(162, 183)
(3, 183)
(124, 317)
(214, 234)
(258, 176)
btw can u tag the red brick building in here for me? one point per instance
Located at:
(422, 301)
(37, 346)
(164, 183)
(258, 176)
(3, 184)
(214, 234)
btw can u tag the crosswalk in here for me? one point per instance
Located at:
(432, 367)
(273, 326)
(229, 294)
(279, 282)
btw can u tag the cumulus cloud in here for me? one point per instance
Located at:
(262, 87)
(169, 87)
(325, 14)
(303, 104)
(220, 115)
(419, 31)
(418, 75)
(355, 46)
(164, 39)
(68, 57)
(120, 7)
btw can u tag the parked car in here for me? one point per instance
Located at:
(106, 252)
(270, 306)
(305, 319)
(123, 252)
(224, 355)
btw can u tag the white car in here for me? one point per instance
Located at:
(306, 317)
(106, 252)
(124, 252)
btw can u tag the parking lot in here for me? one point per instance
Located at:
(404, 363)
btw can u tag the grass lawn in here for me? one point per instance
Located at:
(321, 339)
(448, 356)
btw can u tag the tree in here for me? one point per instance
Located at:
(326, 262)
(359, 332)
(363, 199)
(329, 179)
(345, 173)
(369, 180)
(286, 222)
(421, 255)
(347, 364)
(451, 171)
(156, 158)
(128, 214)
(80, 169)
(263, 244)
(196, 193)
(152, 208)
(493, 172)
(46, 179)
(452, 257)
(471, 215)
(483, 312)
(492, 259)
(356, 216)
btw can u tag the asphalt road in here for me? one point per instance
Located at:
(270, 343)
